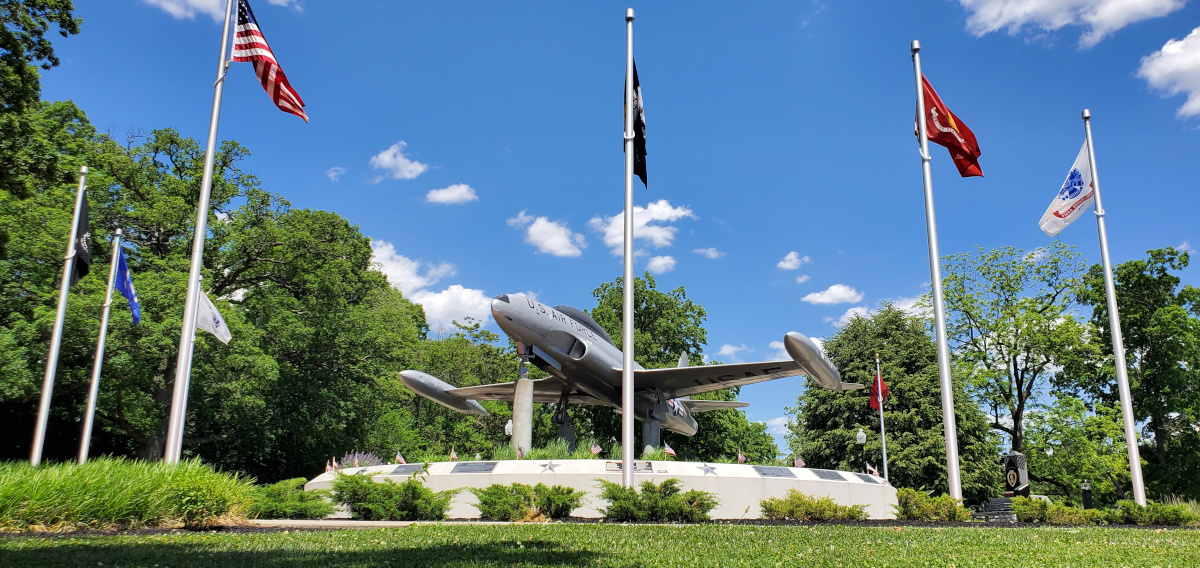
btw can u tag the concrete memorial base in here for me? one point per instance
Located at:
(738, 487)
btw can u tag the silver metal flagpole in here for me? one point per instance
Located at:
(179, 398)
(627, 307)
(86, 439)
(882, 431)
(39, 433)
(950, 428)
(1114, 325)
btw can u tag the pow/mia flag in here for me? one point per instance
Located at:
(639, 129)
(83, 235)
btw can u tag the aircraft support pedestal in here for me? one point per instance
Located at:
(522, 437)
(651, 435)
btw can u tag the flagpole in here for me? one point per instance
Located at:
(882, 431)
(627, 408)
(1114, 325)
(86, 439)
(39, 432)
(950, 429)
(179, 397)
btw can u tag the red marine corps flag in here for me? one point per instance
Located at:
(946, 129)
(249, 44)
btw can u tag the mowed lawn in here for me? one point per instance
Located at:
(615, 545)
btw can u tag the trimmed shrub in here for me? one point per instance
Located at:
(390, 501)
(913, 505)
(656, 503)
(115, 493)
(1029, 510)
(288, 500)
(1057, 514)
(800, 507)
(520, 502)
(1130, 513)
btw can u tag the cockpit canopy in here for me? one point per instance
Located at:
(586, 320)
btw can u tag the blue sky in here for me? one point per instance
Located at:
(478, 143)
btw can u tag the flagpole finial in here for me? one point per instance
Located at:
(916, 46)
(83, 169)
(1087, 113)
(118, 232)
(629, 14)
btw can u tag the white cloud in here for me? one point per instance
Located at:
(650, 224)
(396, 164)
(1186, 246)
(1101, 17)
(780, 353)
(550, 237)
(335, 173)
(1175, 70)
(777, 426)
(404, 273)
(453, 195)
(710, 253)
(836, 294)
(661, 264)
(730, 352)
(187, 9)
(792, 261)
(861, 311)
(802, 279)
(455, 303)
(911, 306)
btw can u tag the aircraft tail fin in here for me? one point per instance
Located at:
(683, 360)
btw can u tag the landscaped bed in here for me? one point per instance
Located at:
(600, 544)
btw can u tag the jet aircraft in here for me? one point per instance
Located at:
(585, 365)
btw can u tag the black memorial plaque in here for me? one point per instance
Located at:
(474, 467)
(866, 478)
(828, 474)
(773, 471)
(407, 469)
(638, 466)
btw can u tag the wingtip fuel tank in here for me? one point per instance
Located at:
(436, 389)
(815, 364)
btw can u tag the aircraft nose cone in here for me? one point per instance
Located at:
(500, 306)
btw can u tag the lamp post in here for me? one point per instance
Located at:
(861, 438)
(1086, 487)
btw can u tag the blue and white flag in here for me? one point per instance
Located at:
(1073, 198)
(124, 285)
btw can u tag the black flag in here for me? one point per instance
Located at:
(83, 259)
(639, 130)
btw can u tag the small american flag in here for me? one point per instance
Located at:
(520, 453)
(871, 470)
(667, 450)
(741, 458)
(327, 467)
(453, 455)
(400, 458)
(596, 449)
(249, 45)
(798, 462)
(356, 461)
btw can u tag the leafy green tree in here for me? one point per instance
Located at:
(1010, 320)
(1068, 441)
(1160, 324)
(824, 423)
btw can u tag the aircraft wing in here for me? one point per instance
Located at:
(544, 390)
(710, 405)
(685, 381)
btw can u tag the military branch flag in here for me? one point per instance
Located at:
(210, 320)
(879, 391)
(249, 45)
(125, 287)
(83, 259)
(1073, 198)
(945, 128)
(639, 130)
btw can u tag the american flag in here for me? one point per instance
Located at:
(596, 449)
(667, 450)
(400, 458)
(520, 453)
(741, 458)
(355, 461)
(327, 467)
(871, 470)
(453, 455)
(250, 45)
(798, 462)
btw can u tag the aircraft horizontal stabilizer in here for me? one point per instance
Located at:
(696, 406)
(852, 386)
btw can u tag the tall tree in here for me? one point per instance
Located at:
(1160, 322)
(1012, 325)
(1069, 441)
(824, 423)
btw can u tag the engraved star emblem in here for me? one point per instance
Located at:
(549, 466)
(708, 469)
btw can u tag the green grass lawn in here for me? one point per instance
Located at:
(613, 545)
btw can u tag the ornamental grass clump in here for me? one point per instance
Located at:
(520, 502)
(656, 503)
(913, 505)
(287, 499)
(390, 501)
(797, 506)
(115, 493)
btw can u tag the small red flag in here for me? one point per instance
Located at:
(875, 388)
(945, 128)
